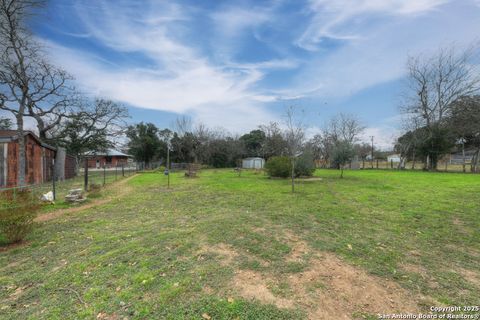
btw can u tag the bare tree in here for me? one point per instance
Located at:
(54, 99)
(183, 125)
(344, 127)
(29, 85)
(295, 139)
(92, 127)
(434, 84)
(275, 144)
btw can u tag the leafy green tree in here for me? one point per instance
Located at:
(439, 141)
(185, 147)
(144, 143)
(465, 124)
(342, 153)
(254, 141)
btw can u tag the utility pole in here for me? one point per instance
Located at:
(371, 160)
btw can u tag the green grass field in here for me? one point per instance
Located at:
(223, 246)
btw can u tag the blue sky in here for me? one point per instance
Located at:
(238, 64)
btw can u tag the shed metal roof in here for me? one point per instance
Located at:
(11, 135)
(107, 153)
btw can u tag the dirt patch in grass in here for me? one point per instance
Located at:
(299, 251)
(225, 252)
(348, 290)
(61, 212)
(469, 275)
(252, 285)
(328, 287)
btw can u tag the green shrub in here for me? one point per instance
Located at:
(278, 167)
(304, 165)
(16, 218)
(281, 167)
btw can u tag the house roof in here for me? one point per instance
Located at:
(11, 135)
(106, 153)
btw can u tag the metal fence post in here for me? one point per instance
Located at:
(104, 173)
(123, 170)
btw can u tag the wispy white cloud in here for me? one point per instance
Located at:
(233, 21)
(178, 78)
(339, 19)
(379, 56)
(153, 54)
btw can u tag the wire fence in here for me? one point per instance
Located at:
(442, 166)
(11, 198)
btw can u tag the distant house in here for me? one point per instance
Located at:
(109, 158)
(39, 159)
(394, 158)
(253, 163)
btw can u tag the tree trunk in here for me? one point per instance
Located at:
(21, 152)
(433, 163)
(60, 163)
(413, 161)
(341, 171)
(474, 161)
(293, 175)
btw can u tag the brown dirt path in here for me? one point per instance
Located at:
(97, 202)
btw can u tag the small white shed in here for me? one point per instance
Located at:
(393, 158)
(253, 163)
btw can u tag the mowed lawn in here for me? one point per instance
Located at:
(223, 246)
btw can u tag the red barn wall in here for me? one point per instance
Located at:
(12, 164)
(38, 167)
(115, 161)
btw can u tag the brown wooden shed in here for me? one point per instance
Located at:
(39, 159)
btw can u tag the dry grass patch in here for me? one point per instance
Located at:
(469, 275)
